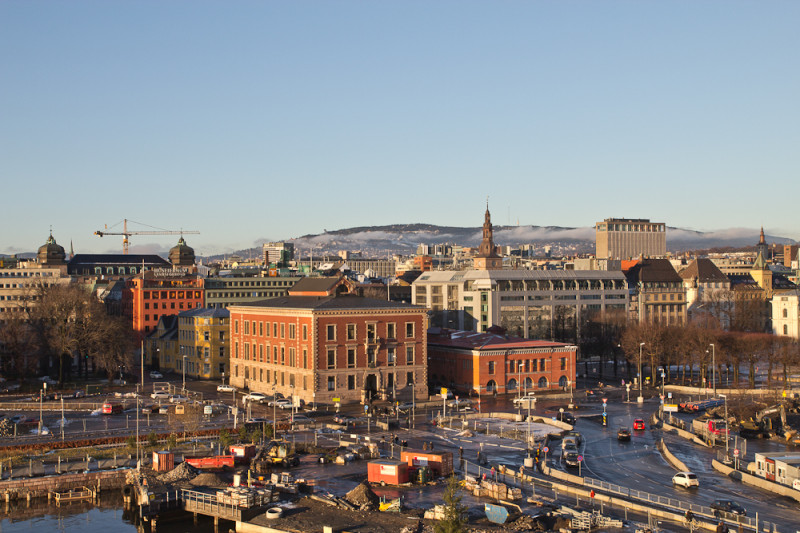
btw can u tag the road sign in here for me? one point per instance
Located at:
(605, 400)
(366, 408)
(336, 399)
(580, 458)
(736, 453)
(545, 449)
(670, 408)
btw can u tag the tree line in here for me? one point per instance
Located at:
(63, 328)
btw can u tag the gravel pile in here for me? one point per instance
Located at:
(208, 479)
(363, 497)
(182, 472)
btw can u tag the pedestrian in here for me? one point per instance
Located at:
(721, 527)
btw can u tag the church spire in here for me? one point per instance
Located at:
(487, 257)
(761, 239)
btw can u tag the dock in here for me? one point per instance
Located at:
(75, 495)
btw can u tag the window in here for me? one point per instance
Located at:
(391, 330)
(351, 332)
(283, 330)
(491, 367)
(541, 365)
(785, 313)
(409, 378)
(390, 355)
(283, 355)
(331, 358)
(785, 329)
(236, 326)
(206, 335)
(371, 332)
(331, 332)
(305, 357)
(246, 327)
(275, 355)
(305, 332)
(292, 360)
(292, 331)
(331, 382)
(351, 382)
(409, 329)
(260, 329)
(409, 355)
(563, 363)
(236, 350)
(275, 329)
(351, 358)
(370, 356)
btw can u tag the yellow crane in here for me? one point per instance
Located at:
(125, 233)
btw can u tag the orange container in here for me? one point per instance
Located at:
(163, 461)
(440, 463)
(387, 471)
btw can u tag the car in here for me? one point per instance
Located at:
(722, 507)
(301, 419)
(155, 374)
(163, 410)
(624, 434)
(258, 421)
(566, 417)
(226, 388)
(466, 409)
(404, 407)
(18, 419)
(459, 402)
(638, 425)
(178, 398)
(529, 400)
(283, 403)
(344, 420)
(686, 480)
(255, 397)
(149, 408)
(571, 458)
(160, 395)
(111, 408)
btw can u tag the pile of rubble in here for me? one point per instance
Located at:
(363, 498)
(182, 472)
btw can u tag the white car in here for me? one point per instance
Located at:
(155, 374)
(226, 388)
(525, 400)
(461, 402)
(178, 398)
(160, 395)
(283, 403)
(257, 397)
(686, 480)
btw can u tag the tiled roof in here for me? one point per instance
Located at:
(324, 303)
(704, 270)
(472, 340)
(206, 311)
(653, 270)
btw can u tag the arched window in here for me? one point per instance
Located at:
(785, 329)
(511, 385)
(491, 386)
(562, 382)
(528, 383)
(542, 382)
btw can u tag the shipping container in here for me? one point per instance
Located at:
(387, 472)
(441, 464)
(212, 462)
(243, 452)
(163, 461)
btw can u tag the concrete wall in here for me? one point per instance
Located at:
(671, 459)
(685, 434)
(750, 479)
(41, 486)
(695, 391)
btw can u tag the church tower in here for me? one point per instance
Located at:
(761, 247)
(487, 257)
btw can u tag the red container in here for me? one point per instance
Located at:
(163, 461)
(243, 452)
(440, 463)
(387, 471)
(210, 463)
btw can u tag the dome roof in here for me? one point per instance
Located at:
(50, 253)
(181, 254)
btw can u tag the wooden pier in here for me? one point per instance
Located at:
(75, 495)
(203, 503)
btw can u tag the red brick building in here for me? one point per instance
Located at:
(488, 362)
(321, 344)
(160, 292)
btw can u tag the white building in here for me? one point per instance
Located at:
(786, 314)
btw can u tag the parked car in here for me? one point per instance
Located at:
(722, 507)
(301, 419)
(155, 374)
(255, 397)
(624, 434)
(686, 480)
(160, 395)
(638, 425)
(344, 419)
(163, 410)
(459, 402)
(226, 388)
(178, 398)
(566, 417)
(524, 401)
(283, 403)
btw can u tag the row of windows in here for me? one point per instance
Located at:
(173, 295)
(332, 360)
(25, 274)
(157, 316)
(258, 329)
(351, 331)
(204, 351)
(264, 375)
(261, 354)
(351, 381)
(220, 284)
(188, 334)
(253, 294)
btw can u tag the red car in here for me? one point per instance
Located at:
(638, 425)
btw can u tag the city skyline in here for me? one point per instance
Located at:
(268, 121)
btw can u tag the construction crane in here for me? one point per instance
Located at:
(125, 233)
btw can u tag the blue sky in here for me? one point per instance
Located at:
(271, 120)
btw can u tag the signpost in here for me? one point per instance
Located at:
(580, 462)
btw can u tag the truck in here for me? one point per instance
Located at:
(711, 430)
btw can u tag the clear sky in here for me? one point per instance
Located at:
(275, 119)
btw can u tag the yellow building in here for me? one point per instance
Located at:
(203, 343)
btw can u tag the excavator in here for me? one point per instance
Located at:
(275, 453)
(768, 422)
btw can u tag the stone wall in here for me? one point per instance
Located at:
(39, 487)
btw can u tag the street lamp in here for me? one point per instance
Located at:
(42, 392)
(183, 368)
(725, 397)
(274, 414)
(714, 368)
(640, 399)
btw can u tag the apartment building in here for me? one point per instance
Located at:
(627, 238)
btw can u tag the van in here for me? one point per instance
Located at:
(112, 408)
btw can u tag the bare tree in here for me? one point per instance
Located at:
(18, 348)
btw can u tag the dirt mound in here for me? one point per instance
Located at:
(208, 479)
(363, 497)
(182, 472)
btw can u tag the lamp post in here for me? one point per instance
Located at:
(640, 399)
(274, 414)
(42, 392)
(725, 397)
(183, 368)
(291, 395)
(714, 368)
